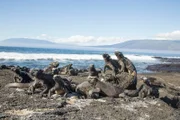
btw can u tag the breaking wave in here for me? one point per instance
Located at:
(44, 56)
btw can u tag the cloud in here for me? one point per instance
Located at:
(175, 35)
(44, 37)
(92, 40)
(82, 40)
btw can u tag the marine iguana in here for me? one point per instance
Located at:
(92, 71)
(61, 86)
(127, 66)
(50, 67)
(107, 88)
(111, 64)
(149, 88)
(45, 79)
(84, 88)
(21, 76)
(68, 70)
(51, 83)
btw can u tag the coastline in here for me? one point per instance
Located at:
(16, 104)
(167, 65)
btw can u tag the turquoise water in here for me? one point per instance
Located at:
(41, 57)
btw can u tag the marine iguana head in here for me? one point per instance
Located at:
(16, 70)
(56, 77)
(33, 71)
(106, 57)
(38, 73)
(145, 80)
(119, 55)
(70, 65)
(55, 71)
(54, 64)
(92, 67)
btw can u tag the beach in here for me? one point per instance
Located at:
(89, 60)
(15, 103)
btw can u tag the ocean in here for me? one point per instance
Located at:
(81, 59)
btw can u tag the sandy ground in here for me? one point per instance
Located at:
(17, 104)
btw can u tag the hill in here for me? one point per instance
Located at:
(147, 44)
(25, 42)
(36, 43)
(172, 45)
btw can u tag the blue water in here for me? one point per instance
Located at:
(46, 50)
(41, 57)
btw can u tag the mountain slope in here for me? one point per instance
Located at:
(35, 43)
(132, 44)
(148, 45)
(25, 42)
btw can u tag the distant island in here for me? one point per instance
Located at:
(168, 45)
(26, 42)
(173, 45)
(35, 43)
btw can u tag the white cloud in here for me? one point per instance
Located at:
(43, 35)
(92, 40)
(175, 35)
(82, 40)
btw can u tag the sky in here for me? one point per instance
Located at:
(90, 22)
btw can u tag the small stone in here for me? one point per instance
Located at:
(55, 96)
(20, 90)
(44, 98)
(101, 100)
(122, 95)
(61, 99)
(60, 105)
(11, 95)
(71, 100)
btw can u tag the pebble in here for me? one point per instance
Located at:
(20, 90)
(55, 96)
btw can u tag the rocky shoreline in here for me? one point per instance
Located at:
(172, 60)
(16, 103)
(168, 65)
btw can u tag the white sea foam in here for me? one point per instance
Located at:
(44, 56)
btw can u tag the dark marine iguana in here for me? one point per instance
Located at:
(111, 64)
(61, 86)
(45, 79)
(50, 67)
(51, 83)
(84, 88)
(92, 71)
(68, 70)
(40, 78)
(107, 88)
(21, 76)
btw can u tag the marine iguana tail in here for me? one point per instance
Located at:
(18, 85)
(133, 93)
(107, 88)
